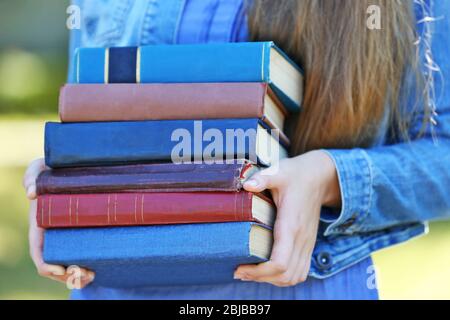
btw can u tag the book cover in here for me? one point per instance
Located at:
(178, 141)
(133, 209)
(161, 101)
(218, 62)
(132, 257)
(156, 177)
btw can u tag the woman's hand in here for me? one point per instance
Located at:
(77, 278)
(300, 187)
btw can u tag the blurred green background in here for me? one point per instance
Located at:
(33, 64)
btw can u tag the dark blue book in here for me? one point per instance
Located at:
(177, 141)
(219, 62)
(160, 255)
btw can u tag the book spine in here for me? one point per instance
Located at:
(237, 62)
(120, 143)
(132, 209)
(135, 102)
(144, 178)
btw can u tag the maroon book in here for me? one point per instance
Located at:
(132, 209)
(165, 177)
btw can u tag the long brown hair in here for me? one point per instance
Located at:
(353, 75)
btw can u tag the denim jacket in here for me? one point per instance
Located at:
(389, 191)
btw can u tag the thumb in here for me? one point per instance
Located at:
(31, 192)
(259, 182)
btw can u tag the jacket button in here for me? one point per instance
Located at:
(324, 261)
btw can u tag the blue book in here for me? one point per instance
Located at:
(160, 255)
(177, 141)
(220, 62)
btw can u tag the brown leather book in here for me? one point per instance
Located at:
(135, 102)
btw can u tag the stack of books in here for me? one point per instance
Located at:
(148, 162)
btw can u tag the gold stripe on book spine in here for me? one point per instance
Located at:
(115, 208)
(70, 209)
(50, 211)
(42, 211)
(106, 71)
(109, 202)
(135, 208)
(138, 65)
(76, 209)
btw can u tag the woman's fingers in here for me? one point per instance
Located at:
(265, 179)
(288, 278)
(78, 279)
(283, 249)
(262, 270)
(36, 240)
(44, 269)
(31, 174)
(299, 188)
(33, 171)
(257, 184)
(73, 278)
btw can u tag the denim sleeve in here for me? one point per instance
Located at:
(407, 182)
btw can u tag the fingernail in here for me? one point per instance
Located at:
(91, 276)
(252, 183)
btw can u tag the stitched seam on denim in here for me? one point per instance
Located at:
(369, 166)
(237, 22)
(176, 34)
(376, 244)
(350, 203)
(112, 35)
(149, 24)
(363, 196)
(346, 199)
(330, 221)
(342, 178)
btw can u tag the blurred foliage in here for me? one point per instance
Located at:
(43, 75)
(33, 65)
(33, 55)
